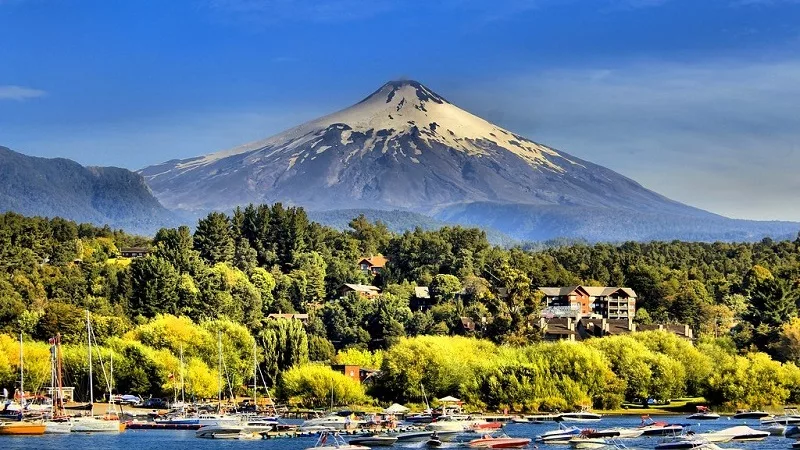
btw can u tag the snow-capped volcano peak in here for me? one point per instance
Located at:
(403, 109)
(403, 146)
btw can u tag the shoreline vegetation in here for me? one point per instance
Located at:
(234, 271)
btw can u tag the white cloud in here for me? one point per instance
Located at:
(724, 136)
(19, 93)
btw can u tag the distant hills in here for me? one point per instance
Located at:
(407, 149)
(60, 187)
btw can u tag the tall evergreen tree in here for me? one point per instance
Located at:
(214, 238)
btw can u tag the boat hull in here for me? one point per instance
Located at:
(21, 429)
(96, 425)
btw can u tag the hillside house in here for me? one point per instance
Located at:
(134, 252)
(582, 301)
(360, 289)
(372, 265)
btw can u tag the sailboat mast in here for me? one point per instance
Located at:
(21, 374)
(59, 380)
(219, 369)
(255, 377)
(183, 390)
(111, 383)
(89, 340)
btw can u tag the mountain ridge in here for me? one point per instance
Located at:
(61, 187)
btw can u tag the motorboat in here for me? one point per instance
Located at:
(501, 441)
(677, 445)
(650, 427)
(703, 413)
(449, 423)
(777, 429)
(332, 441)
(562, 435)
(21, 428)
(375, 440)
(332, 421)
(790, 432)
(744, 433)
(236, 430)
(744, 414)
(587, 442)
(536, 418)
(434, 442)
(789, 417)
(714, 437)
(622, 433)
(414, 436)
(201, 420)
(580, 417)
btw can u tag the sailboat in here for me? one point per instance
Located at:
(59, 422)
(21, 427)
(108, 423)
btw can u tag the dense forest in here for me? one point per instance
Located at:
(234, 270)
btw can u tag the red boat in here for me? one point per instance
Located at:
(479, 426)
(501, 441)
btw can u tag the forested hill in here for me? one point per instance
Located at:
(64, 188)
(234, 271)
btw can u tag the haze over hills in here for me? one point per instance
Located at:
(61, 187)
(405, 147)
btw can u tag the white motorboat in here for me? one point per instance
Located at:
(562, 435)
(202, 420)
(332, 441)
(714, 437)
(237, 430)
(580, 417)
(536, 418)
(450, 423)
(330, 422)
(585, 442)
(650, 427)
(776, 429)
(789, 417)
(744, 433)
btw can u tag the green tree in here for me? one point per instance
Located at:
(285, 345)
(154, 285)
(213, 238)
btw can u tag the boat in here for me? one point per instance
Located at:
(536, 418)
(375, 440)
(449, 423)
(704, 413)
(745, 414)
(622, 433)
(587, 442)
(583, 416)
(776, 429)
(60, 422)
(790, 432)
(22, 427)
(332, 441)
(500, 441)
(329, 422)
(789, 417)
(677, 445)
(234, 428)
(744, 433)
(649, 427)
(714, 437)
(109, 422)
(562, 435)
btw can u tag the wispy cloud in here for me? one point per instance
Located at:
(721, 135)
(19, 93)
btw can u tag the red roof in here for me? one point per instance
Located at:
(375, 261)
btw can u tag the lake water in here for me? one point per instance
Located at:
(170, 440)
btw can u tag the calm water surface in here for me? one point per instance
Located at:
(170, 440)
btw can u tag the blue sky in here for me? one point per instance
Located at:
(696, 99)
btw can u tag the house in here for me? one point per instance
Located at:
(467, 324)
(356, 373)
(558, 329)
(361, 289)
(301, 317)
(372, 265)
(134, 252)
(581, 301)
(422, 293)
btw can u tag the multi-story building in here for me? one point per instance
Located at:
(583, 301)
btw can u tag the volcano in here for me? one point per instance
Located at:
(407, 148)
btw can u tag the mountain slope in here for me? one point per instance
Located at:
(406, 147)
(61, 187)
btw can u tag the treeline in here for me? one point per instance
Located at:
(272, 259)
